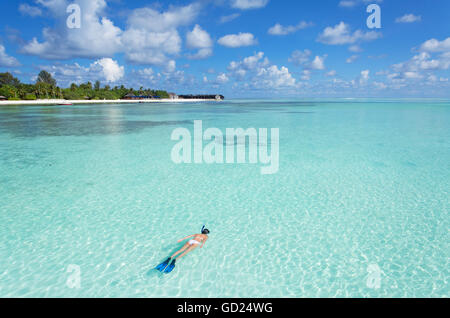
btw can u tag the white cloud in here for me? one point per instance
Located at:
(156, 21)
(341, 34)
(6, 60)
(355, 48)
(364, 77)
(434, 57)
(201, 54)
(306, 75)
(257, 73)
(248, 64)
(248, 4)
(32, 11)
(380, 85)
(423, 62)
(409, 18)
(351, 59)
(318, 63)
(222, 78)
(302, 58)
(274, 77)
(237, 40)
(434, 45)
(65, 43)
(111, 70)
(171, 66)
(347, 3)
(199, 39)
(106, 69)
(331, 73)
(279, 29)
(228, 18)
(412, 75)
(58, 7)
(150, 37)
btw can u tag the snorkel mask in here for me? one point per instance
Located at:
(204, 231)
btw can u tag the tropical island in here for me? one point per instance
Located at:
(46, 91)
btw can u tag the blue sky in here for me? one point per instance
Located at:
(240, 48)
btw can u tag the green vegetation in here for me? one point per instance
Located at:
(46, 88)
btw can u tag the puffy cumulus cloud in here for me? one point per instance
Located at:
(238, 40)
(106, 69)
(409, 18)
(341, 34)
(248, 4)
(199, 39)
(150, 37)
(156, 21)
(251, 63)
(423, 62)
(364, 77)
(435, 46)
(318, 63)
(222, 78)
(257, 73)
(302, 58)
(110, 69)
(6, 60)
(65, 43)
(279, 29)
(422, 68)
(273, 77)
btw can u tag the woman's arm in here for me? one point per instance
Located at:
(186, 238)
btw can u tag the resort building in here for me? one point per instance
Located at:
(173, 96)
(3, 98)
(215, 97)
(136, 97)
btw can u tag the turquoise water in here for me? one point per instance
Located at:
(361, 185)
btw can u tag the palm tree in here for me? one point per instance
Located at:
(46, 77)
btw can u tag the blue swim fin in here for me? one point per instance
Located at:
(170, 267)
(163, 265)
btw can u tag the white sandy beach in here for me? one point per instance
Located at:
(119, 101)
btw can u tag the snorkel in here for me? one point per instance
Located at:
(204, 231)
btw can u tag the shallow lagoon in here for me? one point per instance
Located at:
(362, 185)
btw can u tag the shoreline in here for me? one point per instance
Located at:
(61, 102)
